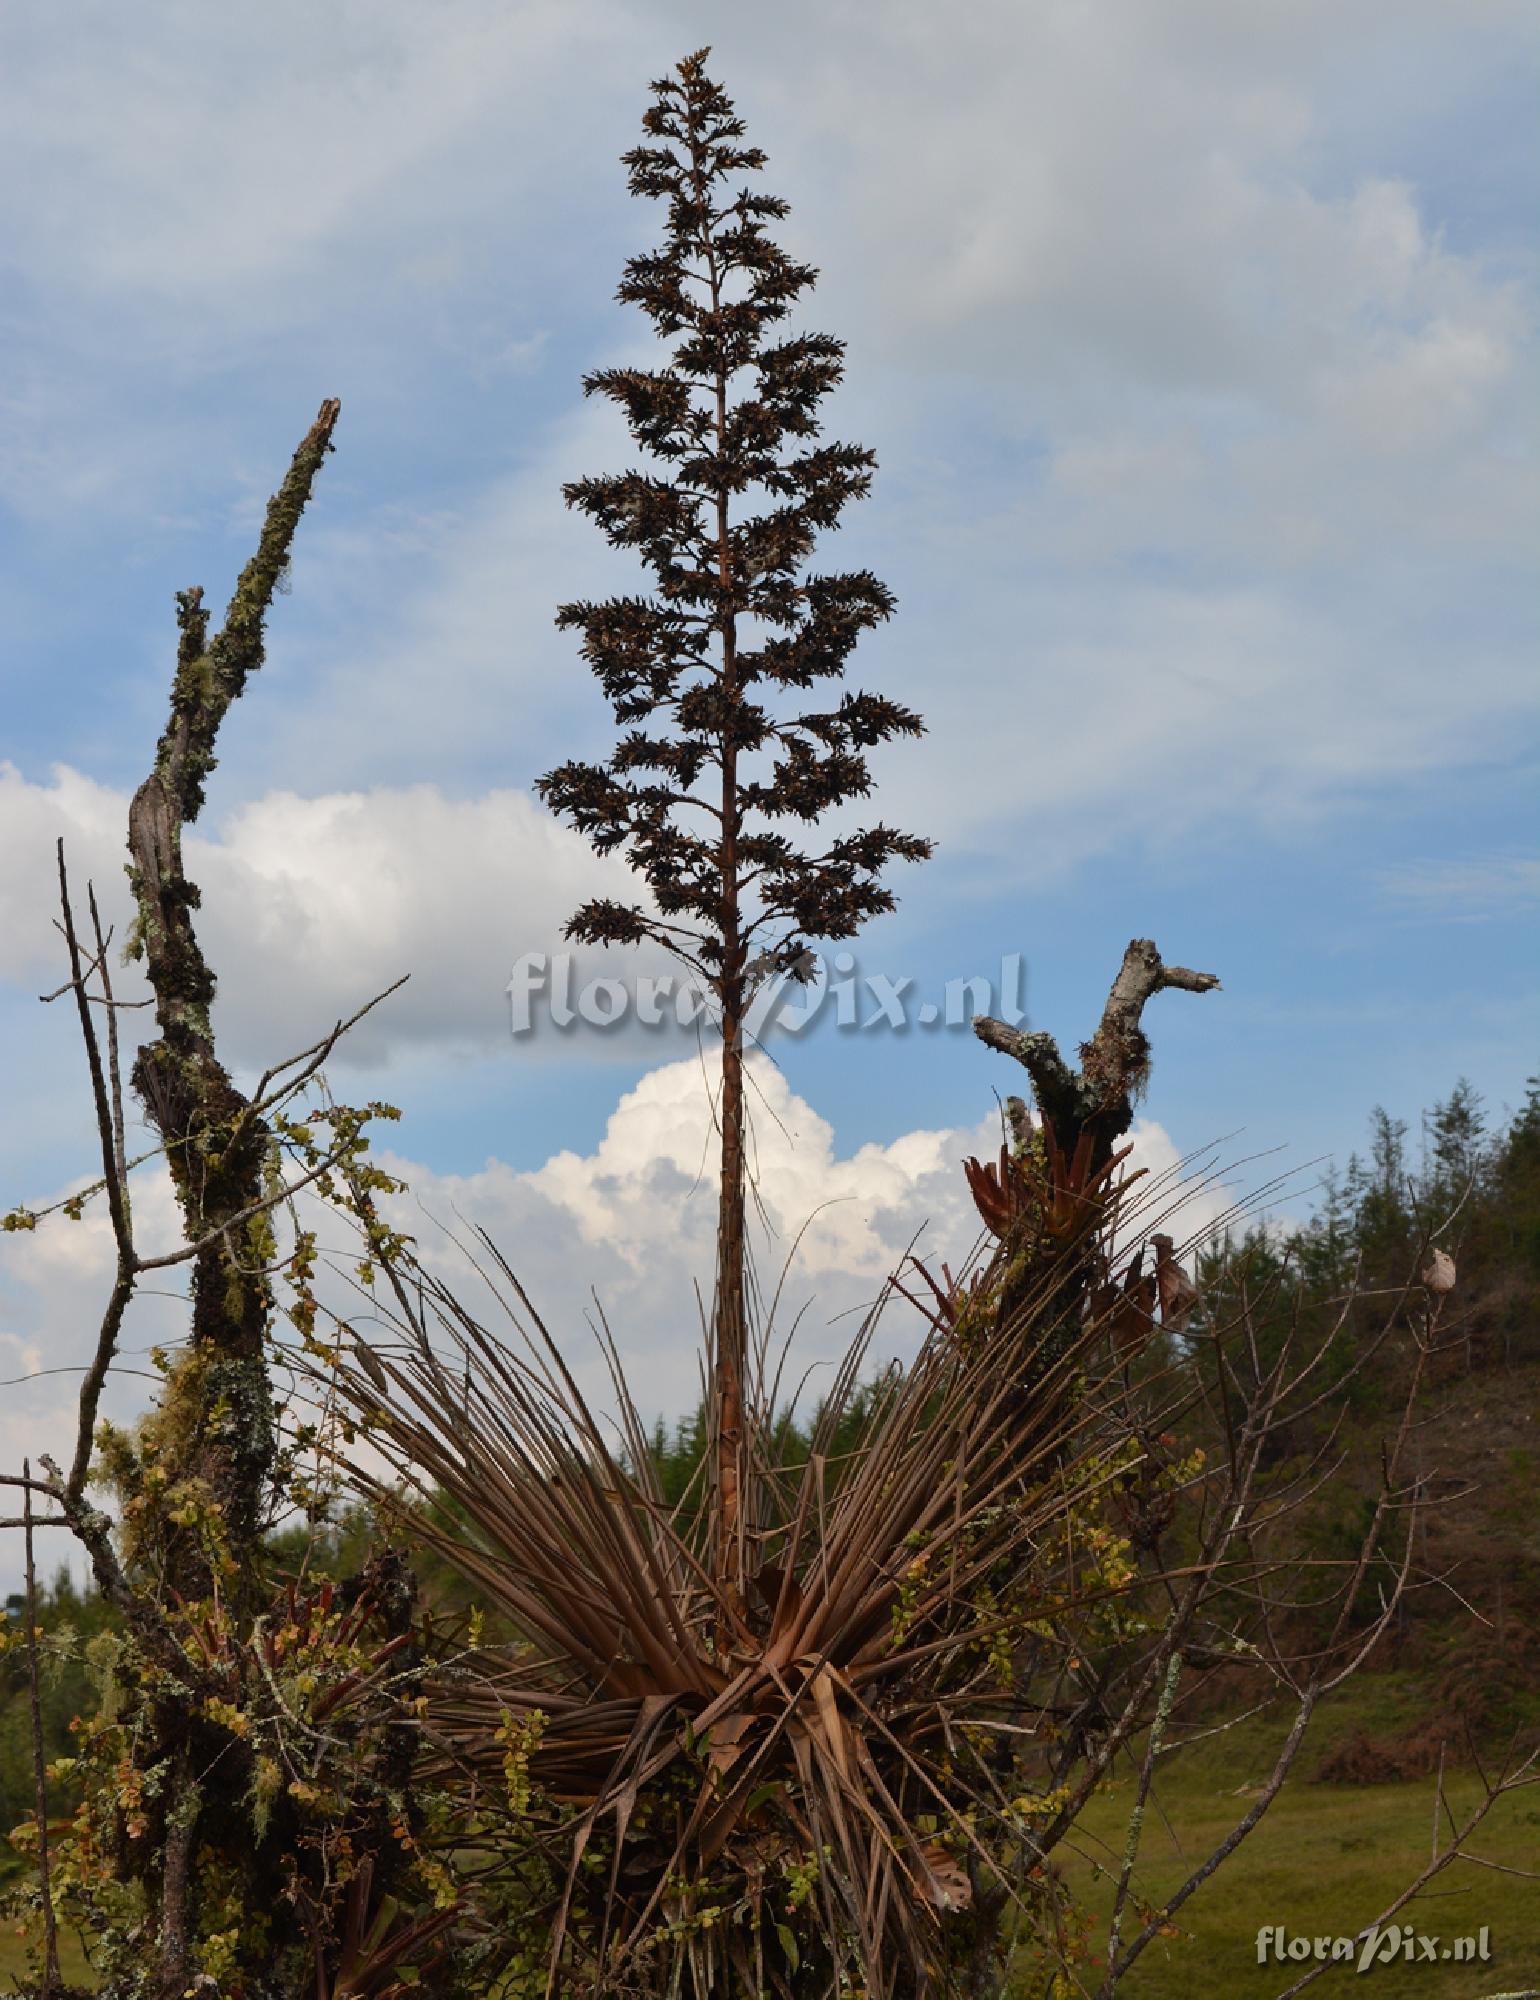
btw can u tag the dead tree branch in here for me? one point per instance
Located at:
(1115, 1062)
(215, 1147)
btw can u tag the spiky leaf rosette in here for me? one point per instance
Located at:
(824, 1789)
(835, 1768)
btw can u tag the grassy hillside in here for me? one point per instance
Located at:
(1325, 1860)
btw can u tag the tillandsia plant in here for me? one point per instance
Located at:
(809, 1808)
(817, 1804)
(719, 765)
(1033, 1548)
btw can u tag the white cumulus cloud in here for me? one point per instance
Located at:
(629, 1229)
(313, 905)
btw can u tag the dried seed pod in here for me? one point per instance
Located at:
(1178, 1293)
(1438, 1273)
(1133, 1314)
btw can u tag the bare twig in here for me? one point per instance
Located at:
(114, 1070)
(107, 1099)
(1136, 1819)
(52, 1979)
(1525, 1774)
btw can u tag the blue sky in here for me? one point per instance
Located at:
(1197, 347)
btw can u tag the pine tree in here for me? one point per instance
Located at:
(706, 786)
(1456, 1148)
(1383, 1220)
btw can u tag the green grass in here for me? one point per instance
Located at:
(1323, 1861)
(15, 1969)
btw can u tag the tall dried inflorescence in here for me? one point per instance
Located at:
(726, 751)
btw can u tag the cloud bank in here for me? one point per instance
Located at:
(626, 1230)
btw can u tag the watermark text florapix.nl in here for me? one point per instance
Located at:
(551, 989)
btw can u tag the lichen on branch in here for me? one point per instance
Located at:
(216, 1147)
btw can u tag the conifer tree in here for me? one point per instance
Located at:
(709, 783)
